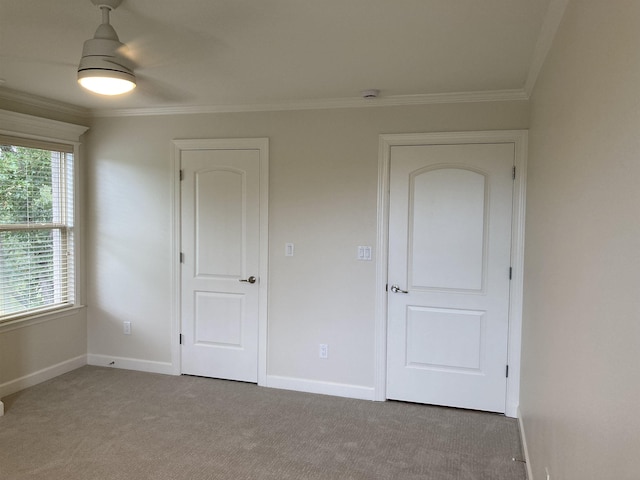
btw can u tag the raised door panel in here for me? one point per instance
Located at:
(218, 319)
(447, 231)
(220, 203)
(444, 339)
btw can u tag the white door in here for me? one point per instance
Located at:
(220, 243)
(449, 267)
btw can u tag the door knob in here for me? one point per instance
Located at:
(397, 289)
(251, 279)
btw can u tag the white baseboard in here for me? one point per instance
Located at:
(324, 388)
(40, 376)
(131, 364)
(525, 449)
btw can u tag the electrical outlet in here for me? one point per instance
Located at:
(126, 328)
(324, 350)
(546, 470)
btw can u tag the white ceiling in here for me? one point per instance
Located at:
(226, 53)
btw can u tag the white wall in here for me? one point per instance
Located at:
(581, 341)
(323, 188)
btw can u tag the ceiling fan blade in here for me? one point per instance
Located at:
(38, 61)
(164, 43)
(159, 90)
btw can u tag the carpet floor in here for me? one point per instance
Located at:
(109, 424)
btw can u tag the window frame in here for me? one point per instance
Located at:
(36, 132)
(60, 227)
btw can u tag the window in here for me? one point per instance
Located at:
(36, 227)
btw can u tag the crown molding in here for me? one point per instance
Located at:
(22, 125)
(349, 102)
(550, 25)
(352, 102)
(43, 103)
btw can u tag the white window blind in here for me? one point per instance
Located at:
(36, 227)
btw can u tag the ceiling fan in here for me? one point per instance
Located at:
(109, 67)
(105, 67)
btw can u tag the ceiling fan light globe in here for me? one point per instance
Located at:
(105, 83)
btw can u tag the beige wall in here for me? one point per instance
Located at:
(581, 341)
(323, 198)
(32, 353)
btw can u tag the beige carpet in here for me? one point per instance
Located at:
(101, 423)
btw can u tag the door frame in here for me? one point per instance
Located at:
(519, 139)
(178, 146)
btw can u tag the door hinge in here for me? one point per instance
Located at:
(510, 272)
(386, 287)
(181, 257)
(514, 173)
(506, 373)
(180, 339)
(182, 175)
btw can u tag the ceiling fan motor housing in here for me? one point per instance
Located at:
(106, 54)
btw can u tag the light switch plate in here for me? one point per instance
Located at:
(288, 249)
(364, 253)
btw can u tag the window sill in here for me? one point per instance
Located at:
(42, 317)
